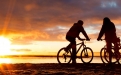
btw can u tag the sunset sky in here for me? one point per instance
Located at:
(39, 26)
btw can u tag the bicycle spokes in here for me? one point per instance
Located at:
(85, 53)
(64, 55)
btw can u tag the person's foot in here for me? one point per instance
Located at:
(73, 61)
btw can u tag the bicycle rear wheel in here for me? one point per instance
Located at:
(106, 56)
(119, 61)
(63, 56)
(86, 55)
(102, 52)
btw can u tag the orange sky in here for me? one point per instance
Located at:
(38, 26)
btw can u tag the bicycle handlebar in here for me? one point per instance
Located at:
(82, 41)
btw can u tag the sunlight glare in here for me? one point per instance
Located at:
(4, 46)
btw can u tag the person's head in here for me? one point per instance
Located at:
(80, 22)
(106, 20)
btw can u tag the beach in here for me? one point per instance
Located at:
(60, 69)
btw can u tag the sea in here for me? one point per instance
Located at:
(38, 60)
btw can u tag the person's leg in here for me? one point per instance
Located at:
(109, 45)
(68, 38)
(74, 51)
(68, 47)
(116, 50)
(73, 46)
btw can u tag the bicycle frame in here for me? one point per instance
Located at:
(82, 45)
(86, 54)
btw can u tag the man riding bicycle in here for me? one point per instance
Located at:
(71, 36)
(108, 28)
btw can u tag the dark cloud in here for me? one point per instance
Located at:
(28, 20)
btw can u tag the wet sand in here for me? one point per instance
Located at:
(57, 69)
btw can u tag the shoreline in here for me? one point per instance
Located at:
(17, 66)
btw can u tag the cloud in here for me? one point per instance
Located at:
(21, 50)
(32, 20)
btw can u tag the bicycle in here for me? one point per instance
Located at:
(86, 54)
(115, 56)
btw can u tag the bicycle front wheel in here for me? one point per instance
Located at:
(106, 56)
(86, 55)
(102, 52)
(63, 56)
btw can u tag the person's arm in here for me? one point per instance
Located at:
(79, 38)
(101, 33)
(84, 33)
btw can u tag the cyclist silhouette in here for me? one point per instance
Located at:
(71, 36)
(108, 28)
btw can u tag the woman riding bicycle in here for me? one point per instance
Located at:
(71, 37)
(108, 28)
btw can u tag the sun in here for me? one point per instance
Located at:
(4, 46)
